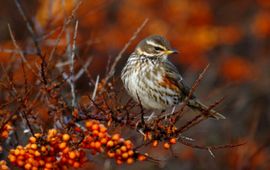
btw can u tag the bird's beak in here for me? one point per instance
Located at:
(171, 51)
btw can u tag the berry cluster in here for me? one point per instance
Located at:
(6, 130)
(57, 150)
(167, 144)
(156, 137)
(53, 151)
(98, 140)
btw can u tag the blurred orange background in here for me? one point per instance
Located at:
(232, 36)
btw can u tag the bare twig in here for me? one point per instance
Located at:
(72, 84)
(29, 27)
(20, 51)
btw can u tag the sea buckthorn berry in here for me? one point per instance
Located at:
(12, 158)
(88, 124)
(130, 152)
(72, 155)
(102, 129)
(141, 157)
(62, 145)
(110, 143)
(49, 165)
(166, 145)
(130, 160)
(116, 137)
(97, 145)
(28, 166)
(123, 148)
(76, 165)
(125, 155)
(155, 143)
(118, 151)
(95, 127)
(32, 139)
(119, 162)
(37, 153)
(34, 146)
(103, 140)
(173, 140)
(66, 137)
(110, 154)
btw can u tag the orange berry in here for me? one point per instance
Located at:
(66, 150)
(95, 132)
(130, 160)
(76, 165)
(49, 165)
(28, 166)
(130, 152)
(141, 157)
(41, 162)
(95, 127)
(72, 155)
(37, 135)
(119, 162)
(12, 158)
(97, 145)
(43, 149)
(116, 137)
(70, 161)
(123, 148)
(32, 139)
(20, 162)
(110, 154)
(110, 143)
(101, 135)
(125, 155)
(173, 140)
(103, 140)
(118, 151)
(4, 167)
(155, 143)
(33, 146)
(166, 145)
(88, 124)
(16, 152)
(4, 134)
(37, 153)
(65, 137)
(93, 144)
(62, 145)
(22, 151)
(52, 132)
(102, 128)
(34, 168)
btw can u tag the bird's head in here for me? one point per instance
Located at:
(154, 46)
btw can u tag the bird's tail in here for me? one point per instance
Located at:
(197, 105)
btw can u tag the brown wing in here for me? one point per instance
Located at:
(174, 78)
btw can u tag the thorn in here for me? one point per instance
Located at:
(211, 153)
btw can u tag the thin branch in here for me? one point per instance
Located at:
(30, 28)
(20, 51)
(72, 84)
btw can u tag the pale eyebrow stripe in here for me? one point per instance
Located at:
(154, 44)
(144, 53)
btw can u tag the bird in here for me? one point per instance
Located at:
(154, 82)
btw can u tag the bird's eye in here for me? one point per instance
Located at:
(158, 48)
